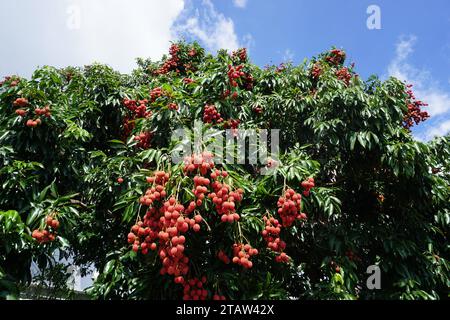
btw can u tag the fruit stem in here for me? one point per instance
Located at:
(207, 225)
(138, 217)
(241, 236)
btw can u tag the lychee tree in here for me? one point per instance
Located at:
(87, 175)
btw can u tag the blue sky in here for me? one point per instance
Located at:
(309, 27)
(412, 44)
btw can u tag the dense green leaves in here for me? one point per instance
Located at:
(381, 197)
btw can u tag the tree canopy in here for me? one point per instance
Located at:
(86, 175)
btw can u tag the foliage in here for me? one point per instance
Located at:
(379, 198)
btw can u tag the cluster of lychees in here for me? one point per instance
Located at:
(166, 223)
(271, 235)
(231, 124)
(138, 108)
(199, 163)
(258, 110)
(316, 71)
(12, 81)
(211, 115)
(336, 57)
(289, 207)
(170, 64)
(21, 112)
(21, 103)
(240, 54)
(172, 106)
(289, 210)
(415, 115)
(280, 68)
(194, 289)
(171, 239)
(143, 139)
(282, 258)
(200, 188)
(157, 191)
(128, 127)
(156, 93)
(43, 111)
(33, 123)
(174, 62)
(226, 93)
(49, 233)
(308, 185)
(152, 220)
(142, 237)
(242, 254)
(218, 297)
(192, 52)
(236, 73)
(225, 199)
(344, 75)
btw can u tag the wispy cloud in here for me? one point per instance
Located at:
(426, 88)
(439, 130)
(240, 3)
(288, 55)
(247, 41)
(212, 28)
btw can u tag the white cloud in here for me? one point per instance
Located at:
(405, 47)
(115, 32)
(441, 129)
(247, 42)
(288, 55)
(425, 87)
(210, 27)
(110, 31)
(240, 3)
